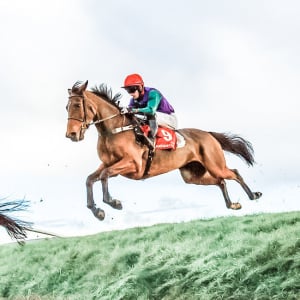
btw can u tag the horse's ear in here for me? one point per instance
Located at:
(83, 87)
(70, 92)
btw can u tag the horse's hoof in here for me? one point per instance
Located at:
(99, 214)
(236, 206)
(257, 195)
(116, 204)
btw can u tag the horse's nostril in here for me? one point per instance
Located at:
(70, 134)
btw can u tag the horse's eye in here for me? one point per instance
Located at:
(77, 105)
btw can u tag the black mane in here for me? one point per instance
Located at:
(106, 93)
(102, 91)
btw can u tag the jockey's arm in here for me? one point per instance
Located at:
(152, 105)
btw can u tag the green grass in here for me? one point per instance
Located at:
(250, 257)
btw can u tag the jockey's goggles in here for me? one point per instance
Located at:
(131, 89)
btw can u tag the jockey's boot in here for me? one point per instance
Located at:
(153, 127)
(149, 142)
(153, 130)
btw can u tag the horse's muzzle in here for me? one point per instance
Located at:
(74, 137)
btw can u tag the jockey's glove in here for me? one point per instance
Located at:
(126, 110)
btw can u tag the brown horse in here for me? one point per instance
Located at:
(201, 161)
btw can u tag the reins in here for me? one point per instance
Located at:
(86, 125)
(102, 120)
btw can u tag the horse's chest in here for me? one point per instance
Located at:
(108, 153)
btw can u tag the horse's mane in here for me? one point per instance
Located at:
(102, 91)
(106, 93)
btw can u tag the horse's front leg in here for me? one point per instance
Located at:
(107, 198)
(121, 167)
(91, 179)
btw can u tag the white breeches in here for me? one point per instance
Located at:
(166, 120)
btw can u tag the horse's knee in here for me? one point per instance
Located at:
(88, 182)
(92, 178)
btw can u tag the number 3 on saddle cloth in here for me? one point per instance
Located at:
(165, 137)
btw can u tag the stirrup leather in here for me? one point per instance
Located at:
(140, 136)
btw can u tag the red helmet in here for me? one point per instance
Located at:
(133, 79)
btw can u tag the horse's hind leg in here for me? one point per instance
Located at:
(195, 173)
(214, 162)
(232, 174)
(229, 204)
(240, 180)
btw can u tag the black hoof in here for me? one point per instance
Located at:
(116, 204)
(99, 214)
(257, 195)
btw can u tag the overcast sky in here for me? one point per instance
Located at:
(226, 66)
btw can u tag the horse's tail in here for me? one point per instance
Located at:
(236, 145)
(14, 227)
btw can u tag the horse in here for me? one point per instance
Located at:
(201, 160)
(16, 229)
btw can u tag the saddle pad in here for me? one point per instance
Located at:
(165, 139)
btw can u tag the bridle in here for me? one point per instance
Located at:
(86, 125)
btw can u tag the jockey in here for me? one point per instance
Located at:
(149, 102)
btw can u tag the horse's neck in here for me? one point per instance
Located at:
(108, 114)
